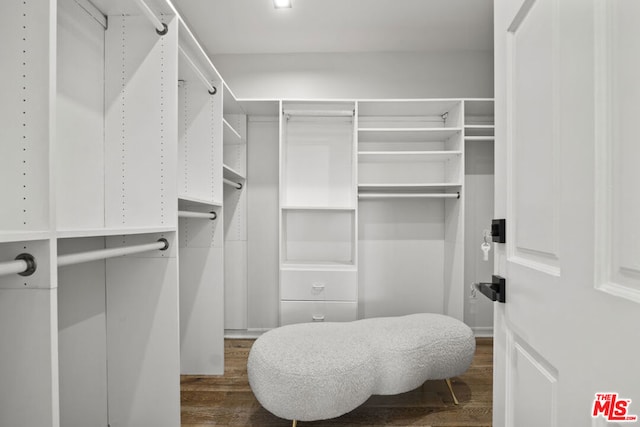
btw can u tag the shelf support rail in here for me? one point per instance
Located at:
(23, 264)
(80, 257)
(212, 89)
(203, 215)
(409, 195)
(161, 27)
(237, 185)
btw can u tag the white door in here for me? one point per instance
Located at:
(568, 184)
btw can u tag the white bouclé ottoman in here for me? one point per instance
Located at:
(315, 371)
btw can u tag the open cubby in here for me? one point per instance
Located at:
(318, 237)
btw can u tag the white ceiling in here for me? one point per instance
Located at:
(254, 26)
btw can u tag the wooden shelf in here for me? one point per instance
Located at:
(198, 201)
(101, 232)
(408, 187)
(231, 174)
(472, 126)
(407, 156)
(406, 134)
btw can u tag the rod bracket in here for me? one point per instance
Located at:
(31, 264)
(166, 243)
(214, 91)
(213, 215)
(164, 31)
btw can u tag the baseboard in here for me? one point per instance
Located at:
(243, 334)
(482, 331)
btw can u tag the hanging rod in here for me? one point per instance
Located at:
(409, 195)
(205, 215)
(23, 264)
(161, 244)
(212, 89)
(320, 113)
(161, 27)
(237, 185)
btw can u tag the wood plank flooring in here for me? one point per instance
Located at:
(228, 401)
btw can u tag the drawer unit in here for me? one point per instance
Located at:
(319, 285)
(317, 311)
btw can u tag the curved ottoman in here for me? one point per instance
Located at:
(316, 371)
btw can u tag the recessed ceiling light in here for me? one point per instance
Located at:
(282, 4)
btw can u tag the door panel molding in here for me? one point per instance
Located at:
(617, 232)
(527, 373)
(533, 146)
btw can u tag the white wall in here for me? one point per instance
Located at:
(479, 193)
(262, 224)
(466, 74)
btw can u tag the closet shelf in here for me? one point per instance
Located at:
(422, 187)
(317, 265)
(318, 208)
(231, 136)
(231, 174)
(407, 156)
(406, 134)
(101, 232)
(199, 201)
(480, 138)
(23, 236)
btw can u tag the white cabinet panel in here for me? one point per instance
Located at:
(319, 285)
(317, 311)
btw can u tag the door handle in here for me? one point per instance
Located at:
(496, 290)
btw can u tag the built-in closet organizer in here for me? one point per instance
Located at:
(235, 213)
(88, 164)
(201, 216)
(411, 216)
(318, 212)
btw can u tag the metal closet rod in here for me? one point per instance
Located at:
(161, 27)
(204, 215)
(25, 264)
(212, 89)
(409, 195)
(237, 185)
(77, 258)
(319, 113)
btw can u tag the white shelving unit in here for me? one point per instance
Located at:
(200, 171)
(318, 212)
(235, 213)
(410, 182)
(89, 135)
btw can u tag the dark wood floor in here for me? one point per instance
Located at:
(228, 401)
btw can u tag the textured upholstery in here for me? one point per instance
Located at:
(314, 371)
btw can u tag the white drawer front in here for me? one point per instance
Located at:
(319, 285)
(317, 311)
